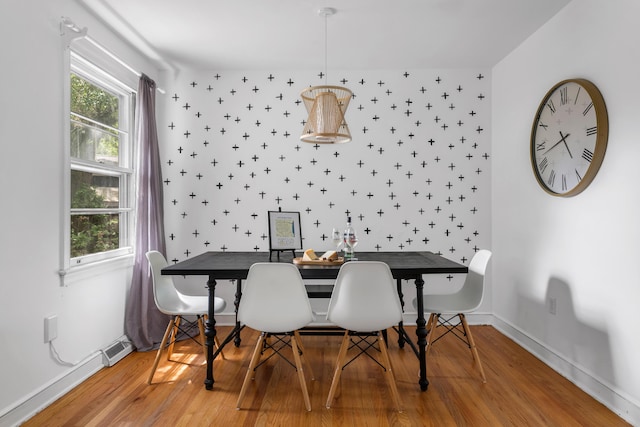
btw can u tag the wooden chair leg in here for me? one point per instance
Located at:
(389, 371)
(216, 341)
(251, 371)
(336, 375)
(174, 335)
(303, 383)
(304, 359)
(472, 345)
(432, 324)
(162, 344)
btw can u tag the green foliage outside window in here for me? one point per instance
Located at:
(92, 233)
(96, 141)
(93, 102)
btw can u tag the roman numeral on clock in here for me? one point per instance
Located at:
(587, 155)
(586, 110)
(592, 131)
(564, 182)
(551, 106)
(543, 165)
(552, 178)
(564, 97)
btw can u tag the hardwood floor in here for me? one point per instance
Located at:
(520, 390)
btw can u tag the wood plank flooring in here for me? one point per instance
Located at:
(520, 390)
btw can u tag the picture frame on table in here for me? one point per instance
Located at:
(285, 233)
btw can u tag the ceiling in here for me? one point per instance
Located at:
(290, 34)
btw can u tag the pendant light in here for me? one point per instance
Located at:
(326, 105)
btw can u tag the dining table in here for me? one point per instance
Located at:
(234, 266)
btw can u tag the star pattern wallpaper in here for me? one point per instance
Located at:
(415, 177)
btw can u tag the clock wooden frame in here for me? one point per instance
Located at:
(602, 135)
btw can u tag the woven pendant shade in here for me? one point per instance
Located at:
(326, 106)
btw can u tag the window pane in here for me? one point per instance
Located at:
(94, 191)
(94, 233)
(95, 116)
(93, 102)
(91, 142)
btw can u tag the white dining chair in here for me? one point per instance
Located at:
(448, 310)
(176, 304)
(365, 303)
(275, 302)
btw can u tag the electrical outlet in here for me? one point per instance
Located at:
(552, 305)
(50, 328)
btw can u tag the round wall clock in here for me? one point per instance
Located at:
(569, 137)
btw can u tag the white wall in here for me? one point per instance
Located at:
(90, 308)
(582, 251)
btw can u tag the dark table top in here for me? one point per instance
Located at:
(235, 265)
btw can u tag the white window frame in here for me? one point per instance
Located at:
(125, 170)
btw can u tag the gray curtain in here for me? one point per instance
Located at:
(144, 323)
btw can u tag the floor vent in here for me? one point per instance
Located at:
(115, 352)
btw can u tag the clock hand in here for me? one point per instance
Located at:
(565, 144)
(562, 139)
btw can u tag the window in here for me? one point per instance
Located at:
(101, 165)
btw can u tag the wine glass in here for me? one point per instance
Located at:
(351, 241)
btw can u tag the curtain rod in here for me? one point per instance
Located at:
(75, 33)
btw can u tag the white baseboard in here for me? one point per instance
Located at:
(409, 318)
(615, 400)
(49, 393)
(225, 319)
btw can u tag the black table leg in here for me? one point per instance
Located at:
(401, 332)
(421, 332)
(210, 332)
(236, 303)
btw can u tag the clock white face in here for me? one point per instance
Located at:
(565, 136)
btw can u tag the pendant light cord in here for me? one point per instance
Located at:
(325, 48)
